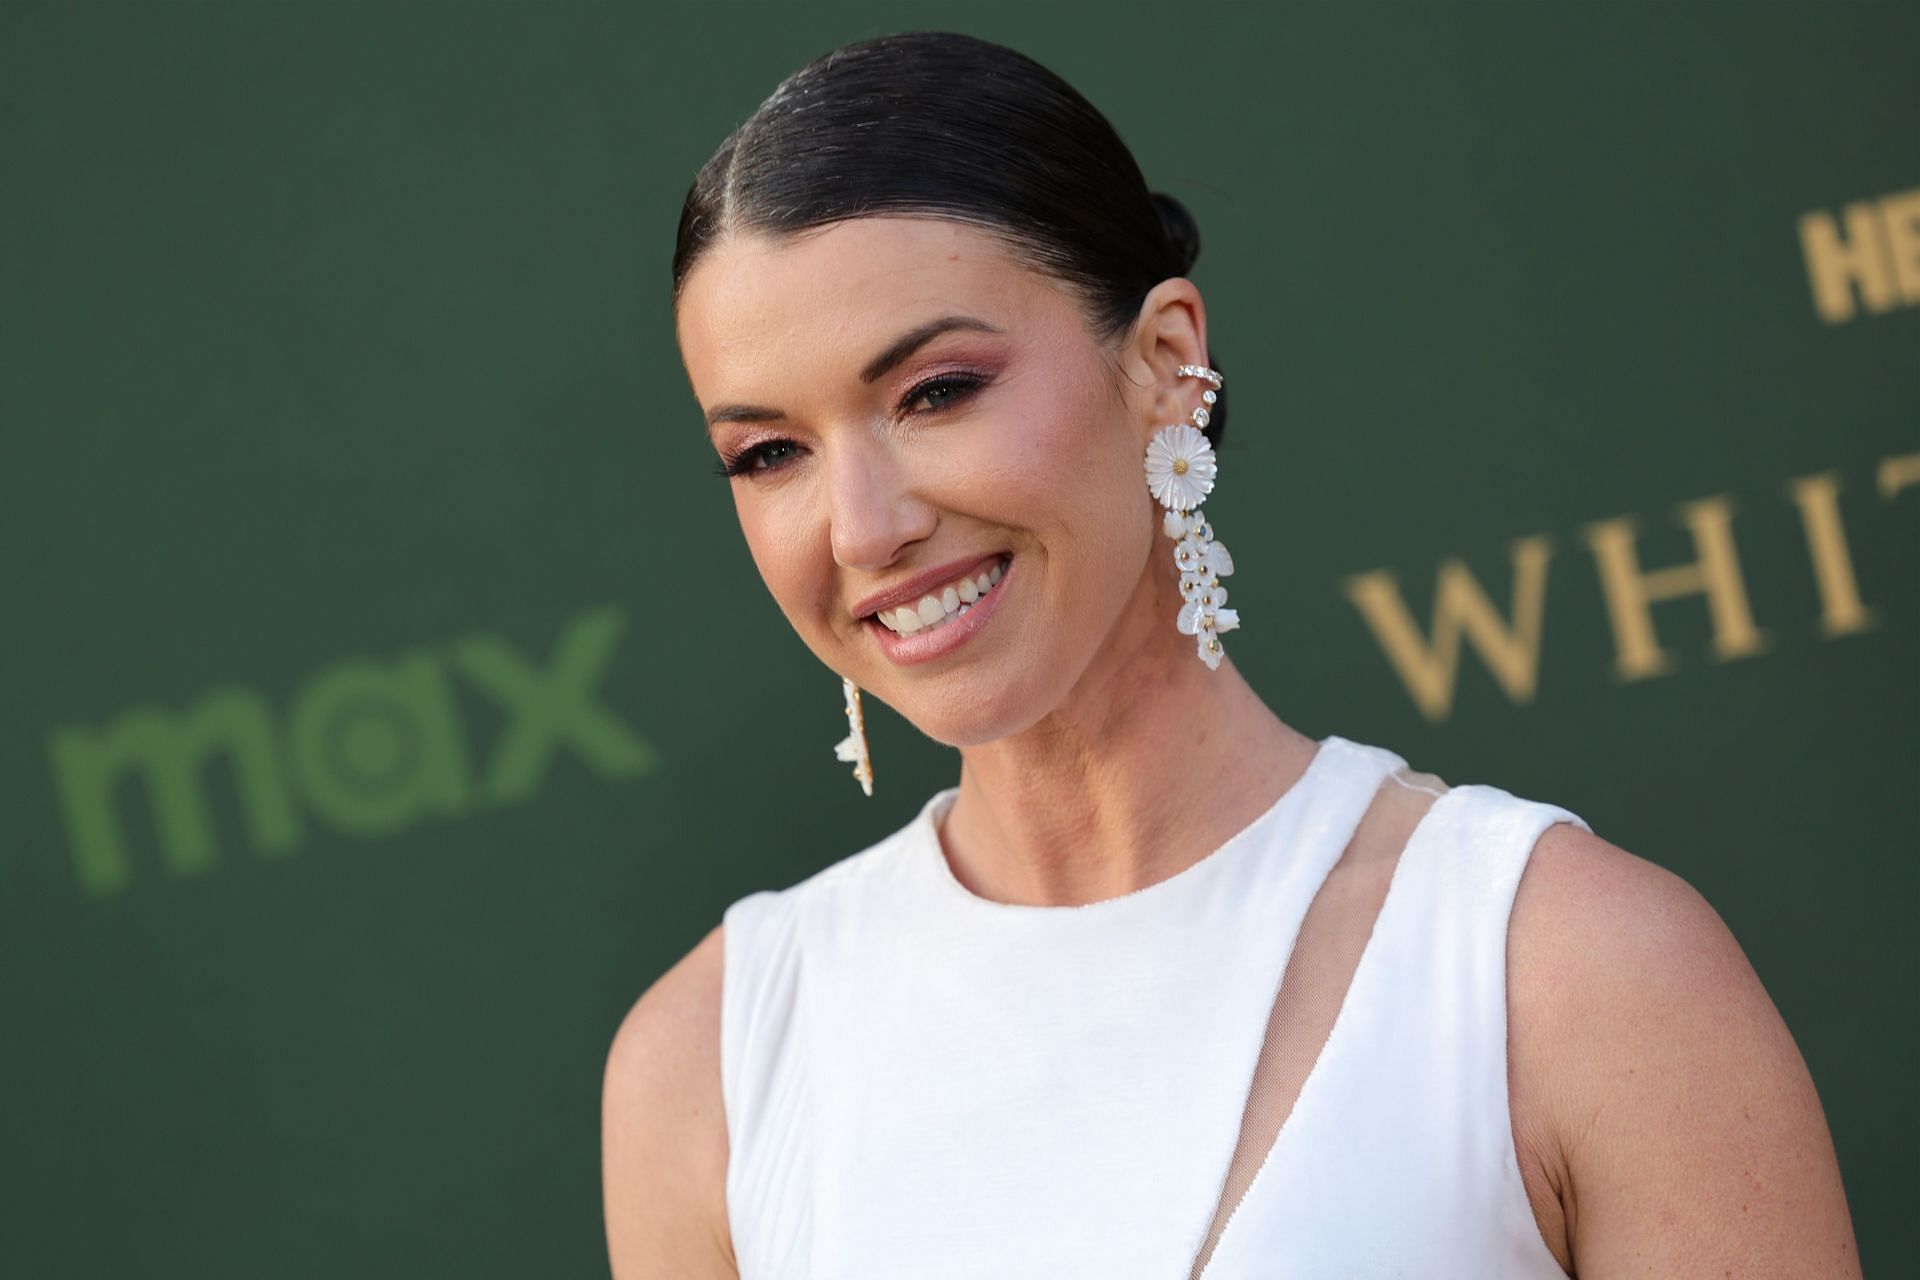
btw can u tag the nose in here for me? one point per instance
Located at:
(874, 511)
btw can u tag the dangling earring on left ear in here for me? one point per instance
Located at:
(1181, 468)
(853, 747)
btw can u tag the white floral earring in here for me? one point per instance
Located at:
(1181, 469)
(853, 747)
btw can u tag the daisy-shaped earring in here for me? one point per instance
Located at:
(1181, 469)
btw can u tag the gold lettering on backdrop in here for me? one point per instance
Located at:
(1629, 591)
(1428, 664)
(1874, 248)
(1841, 611)
(1897, 473)
(1902, 215)
(1511, 650)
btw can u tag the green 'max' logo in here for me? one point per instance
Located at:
(368, 747)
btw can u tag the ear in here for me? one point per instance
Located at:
(1171, 330)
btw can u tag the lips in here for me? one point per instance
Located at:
(954, 629)
(934, 578)
(943, 603)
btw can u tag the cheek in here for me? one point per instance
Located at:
(1065, 428)
(1083, 475)
(790, 553)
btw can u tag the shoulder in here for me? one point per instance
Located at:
(1603, 938)
(1587, 906)
(663, 1127)
(1683, 1129)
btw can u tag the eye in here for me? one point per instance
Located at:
(943, 391)
(768, 455)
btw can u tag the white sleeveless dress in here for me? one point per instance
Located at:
(920, 1082)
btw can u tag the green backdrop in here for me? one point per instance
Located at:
(362, 764)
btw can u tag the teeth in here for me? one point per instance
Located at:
(931, 610)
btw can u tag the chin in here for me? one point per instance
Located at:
(969, 733)
(968, 718)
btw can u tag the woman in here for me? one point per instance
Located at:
(1079, 1017)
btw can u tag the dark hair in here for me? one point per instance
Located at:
(946, 125)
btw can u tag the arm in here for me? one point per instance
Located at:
(1688, 1138)
(663, 1130)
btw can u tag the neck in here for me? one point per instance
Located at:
(1150, 764)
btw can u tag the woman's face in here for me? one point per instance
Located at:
(917, 421)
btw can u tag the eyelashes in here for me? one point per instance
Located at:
(771, 455)
(754, 458)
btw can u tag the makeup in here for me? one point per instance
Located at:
(943, 637)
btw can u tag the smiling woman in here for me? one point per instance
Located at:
(1162, 987)
(888, 457)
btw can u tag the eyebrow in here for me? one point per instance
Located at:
(914, 339)
(878, 367)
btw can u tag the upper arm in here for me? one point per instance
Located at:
(663, 1139)
(1690, 1136)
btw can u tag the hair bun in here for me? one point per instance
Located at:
(1183, 233)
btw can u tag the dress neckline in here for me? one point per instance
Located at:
(1332, 752)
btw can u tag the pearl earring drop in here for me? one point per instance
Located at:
(853, 747)
(1181, 470)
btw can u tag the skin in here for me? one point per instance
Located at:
(1663, 1118)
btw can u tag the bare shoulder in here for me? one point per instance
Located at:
(663, 1136)
(1671, 1108)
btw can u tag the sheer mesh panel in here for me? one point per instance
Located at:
(1333, 935)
